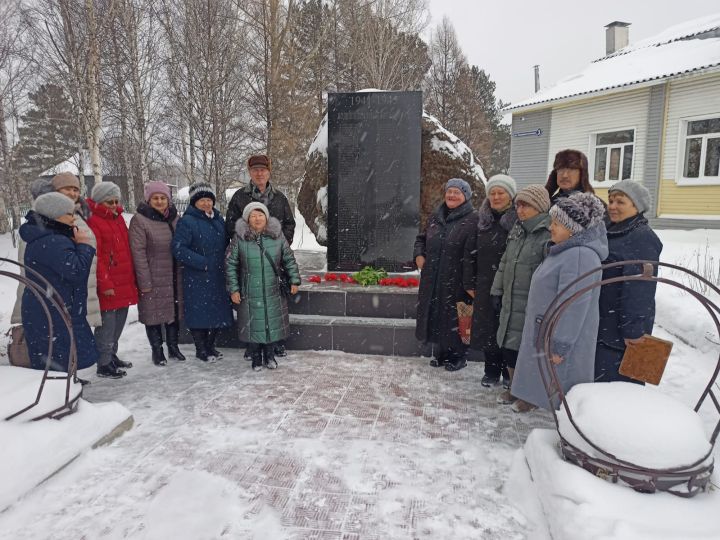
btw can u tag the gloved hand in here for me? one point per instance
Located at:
(496, 303)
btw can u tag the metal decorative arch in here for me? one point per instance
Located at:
(686, 481)
(48, 297)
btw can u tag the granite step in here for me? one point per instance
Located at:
(353, 301)
(363, 335)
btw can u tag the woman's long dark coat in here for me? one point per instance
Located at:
(448, 236)
(52, 253)
(627, 309)
(479, 269)
(199, 245)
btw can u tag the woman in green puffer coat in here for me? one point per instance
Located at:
(253, 284)
(524, 253)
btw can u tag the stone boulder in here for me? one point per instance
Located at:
(444, 156)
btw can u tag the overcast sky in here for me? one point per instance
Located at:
(507, 38)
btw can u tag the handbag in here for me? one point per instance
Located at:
(282, 277)
(646, 360)
(17, 347)
(464, 313)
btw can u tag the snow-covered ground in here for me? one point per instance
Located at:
(329, 446)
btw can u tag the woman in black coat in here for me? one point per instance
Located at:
(627, 309)
(496, 217)
(439, 255)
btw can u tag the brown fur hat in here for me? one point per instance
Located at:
(570, 159)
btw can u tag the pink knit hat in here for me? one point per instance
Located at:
(157, 187)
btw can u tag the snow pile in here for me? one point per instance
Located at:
(676, 311)
(634, 423)
(320, 142)
(304, 238)
(173, 511)
(441, 140)
(33, 451)
(572, 503)
(19, 387)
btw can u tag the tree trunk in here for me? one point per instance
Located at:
(94, 133)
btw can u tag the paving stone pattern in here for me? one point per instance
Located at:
(336, 446)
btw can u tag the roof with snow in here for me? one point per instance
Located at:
(692, 46)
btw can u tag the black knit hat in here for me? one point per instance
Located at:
(200, 190)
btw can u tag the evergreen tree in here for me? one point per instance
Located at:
(48, 135)
(462, 98)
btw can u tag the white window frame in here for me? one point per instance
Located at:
(682, 142)
(591, 157)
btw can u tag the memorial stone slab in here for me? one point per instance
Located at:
(374, 155)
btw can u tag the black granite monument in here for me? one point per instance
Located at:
(374, 144)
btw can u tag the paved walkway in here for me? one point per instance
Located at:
(329, 446)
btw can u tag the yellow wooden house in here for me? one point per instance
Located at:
(649, 111)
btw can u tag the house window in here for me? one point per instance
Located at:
(614, 152)
(702, 149)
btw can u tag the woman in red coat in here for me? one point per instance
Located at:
(115, 275)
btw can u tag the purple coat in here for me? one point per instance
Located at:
(151, 236)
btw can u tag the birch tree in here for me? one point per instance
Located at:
(68, 41)
(15, 73)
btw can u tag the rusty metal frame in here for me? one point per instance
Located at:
(48, 297)
(685, 481)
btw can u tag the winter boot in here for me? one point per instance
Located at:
(110, 371)
(121, 363)
(456, 360)
(256, 355)
(269, 356)
(488, 381)
(506, 397)
(210, 344)
(440, 358)
(521, 406)
(199, 337)
(154, 334)
(171, 334)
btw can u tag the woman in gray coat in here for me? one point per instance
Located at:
(579, 244)
(157, 273)
(525, 251)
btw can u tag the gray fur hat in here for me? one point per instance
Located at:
(460, 184)
(104, 191)
(578, 212)
(53, 205)
(255, 206)
(636, 192)
(40, 187)
(502, 181)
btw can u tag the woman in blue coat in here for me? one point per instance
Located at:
(627, 309)
(579, 244)
(199, 245)
(63, 255)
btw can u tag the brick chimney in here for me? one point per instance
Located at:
(617, 36)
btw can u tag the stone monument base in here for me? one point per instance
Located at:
(349, 318)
